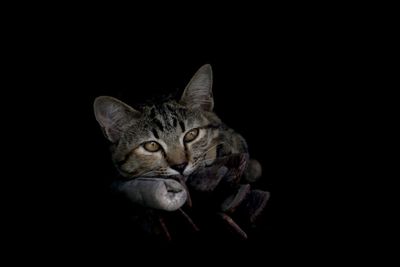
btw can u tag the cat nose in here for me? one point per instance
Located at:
(180, 167)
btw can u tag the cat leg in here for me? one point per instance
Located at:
(164, 228)
(236, 164)
(243, 208)
(233, 201)
(252, 206)
(232, 226)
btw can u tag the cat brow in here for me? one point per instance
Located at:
(152, 112)
(211, 126)
(159, 124)
(175, 122)
(182, 125)
(155, 133)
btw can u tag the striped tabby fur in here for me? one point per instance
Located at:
(168, 126)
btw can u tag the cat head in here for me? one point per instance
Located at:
(172, 138)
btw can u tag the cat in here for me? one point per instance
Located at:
(164, 151)
(173, 138)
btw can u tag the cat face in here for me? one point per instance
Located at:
(173, 138)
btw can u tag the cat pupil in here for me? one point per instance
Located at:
(151, 146)
(190, 136)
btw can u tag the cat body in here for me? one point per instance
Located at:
(170, 153)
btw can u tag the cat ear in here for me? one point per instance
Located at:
(198, 93)
(113, 116)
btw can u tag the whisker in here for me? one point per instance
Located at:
(201, 157)
(160, 172)
(208, 150)
(153, 172)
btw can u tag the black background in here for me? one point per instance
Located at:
(275, 84)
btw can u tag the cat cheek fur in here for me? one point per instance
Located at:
(201, 151)
(142, 162)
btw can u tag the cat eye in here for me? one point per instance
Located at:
(152, 146)
(191, 135)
